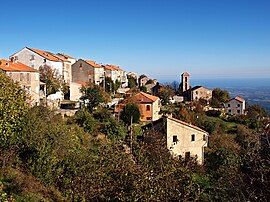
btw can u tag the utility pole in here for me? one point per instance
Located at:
(131, 134)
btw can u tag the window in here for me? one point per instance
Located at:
(21, 76)
(230, 111)
(148, 118)
(148, 107)
(192, 137)
(175, 138)
(185, 79)
(229, 105)
(238, 105)
(196, 92)
(44, 60)
(16, 57)
(204, 138)
(238, 111)
(32, 57)
(28, 77)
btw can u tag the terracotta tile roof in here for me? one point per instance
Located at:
(65, 56)
(239, 99)
(93, 63)
(142, 97)
(61, 57)
(47, 55)
(187, 124)
(15, 66)
(112, 67)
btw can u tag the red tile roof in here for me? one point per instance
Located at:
(142, 97)
(240, 99)
(93, 63)
(65, 56)
(48, 55)
(15, 66)
(112, 67)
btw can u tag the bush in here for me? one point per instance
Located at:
(213, 113)
(12, 110)
(86, 120)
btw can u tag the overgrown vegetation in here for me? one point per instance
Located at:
(44, 157)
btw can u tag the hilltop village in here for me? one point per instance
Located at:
(141, 116)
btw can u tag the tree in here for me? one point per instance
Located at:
(86, 120)
(117, 85)
(130, 113)
(143, 89)
(12, 110)
(53, 82)
(165, 93)
(93, 95)
(132, 82)
(255, 116)
(219, 97)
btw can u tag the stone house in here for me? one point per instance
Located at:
(236, 106)
(149, 106)
(195, 93)
(27, 77)
(87, 71)
(36, 58)
(182, 139)
(83, 72)
(133, 75)
(143, 79)
(200, 92)
(116, 74)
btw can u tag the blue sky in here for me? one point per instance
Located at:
(161, 38)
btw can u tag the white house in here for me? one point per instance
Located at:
(236, 106)
(116, 73)
(182, 139)
(36, 58)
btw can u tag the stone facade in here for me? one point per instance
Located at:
(143, 80)
(87, 71)
(200, 92)
(185, 140)
(75, 91)
(28, 79)
(185, 83)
